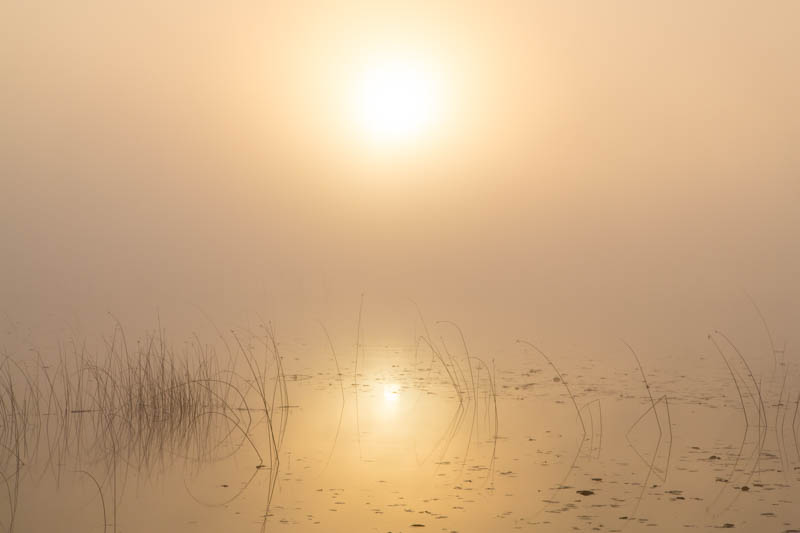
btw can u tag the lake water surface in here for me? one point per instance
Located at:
(245, 438)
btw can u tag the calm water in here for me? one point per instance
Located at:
(409, 440)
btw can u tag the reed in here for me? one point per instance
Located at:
(138, 408)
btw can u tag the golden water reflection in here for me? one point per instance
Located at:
(407, 442)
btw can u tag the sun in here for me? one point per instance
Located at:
(397, 100)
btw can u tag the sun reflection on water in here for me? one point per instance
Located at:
(391, 394)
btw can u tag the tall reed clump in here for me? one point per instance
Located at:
(140, 406)
(19, 420)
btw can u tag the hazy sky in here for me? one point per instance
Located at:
(609, 166)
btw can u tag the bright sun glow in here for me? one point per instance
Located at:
(397, 100)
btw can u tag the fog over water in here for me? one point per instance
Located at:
(264, 265)
(625, 170)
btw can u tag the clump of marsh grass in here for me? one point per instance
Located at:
(474, 395)
(140, 407)
(19, 419)
(746, 466)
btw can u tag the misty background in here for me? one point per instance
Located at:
(619, 170)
